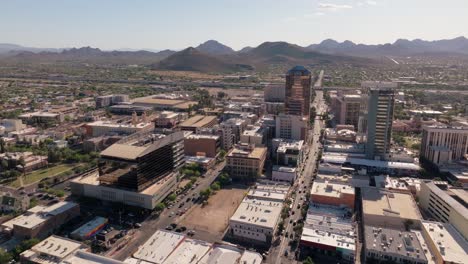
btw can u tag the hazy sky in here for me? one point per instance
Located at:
(177, 24)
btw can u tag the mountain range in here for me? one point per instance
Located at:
(401, 47)
(213, 56)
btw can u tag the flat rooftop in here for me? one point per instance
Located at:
(450, 244)
(222, 254)
(38, 214)
(340, 159)
(57, 247)
(254, 153)
(83, 257)
(159, 246)
(189, 251)
(139, 144)
(198, 121)
(201, 136)
(249, 257)
(394, 241)
(113, 124)
(93, 179)
(90, 226)
(258, 212)
(330, 226)
(331, 189)
(446, 197)
(377, 201)
(284, 169)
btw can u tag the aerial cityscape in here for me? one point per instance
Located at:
(324, 151)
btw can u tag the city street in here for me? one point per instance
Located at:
(301, 187)
(167, 217)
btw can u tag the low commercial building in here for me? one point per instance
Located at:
(199, 121)
(257, 217)
(329, 229)
(406, 184)
(445, 204)
(332, 193)
(113, 99)
(394, 245)
(42, 117)
(245, 162)
(445, 243)
(158, 103)
(52, 250)
(391, 209)
(202, 145)
(253, 135)
(41, 221)
(90, 228)
(165, 247)
(139, 170)
(169, 119)
(204, 162)
(372, 167)
(60, 250)
(286, 174)
(82, 256)
(31, 161)
(190, 250)
(101, 128)
(288, 152)
(128, 109)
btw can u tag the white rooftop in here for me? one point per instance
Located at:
(189, 251)
(258, 212)
(221, 254)
(158, 248)
(450, 244)
(340, 159)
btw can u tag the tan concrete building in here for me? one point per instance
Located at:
(442, 144)
(198, 121)
(348, 109)
(41, 221)
(445, 243)
(390, 209)
(445, 204)
(245, 162)
(332, 193)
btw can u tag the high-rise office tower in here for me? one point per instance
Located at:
(379, 118)
(298, 81)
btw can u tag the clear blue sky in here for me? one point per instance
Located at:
(177, 24)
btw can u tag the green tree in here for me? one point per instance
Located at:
(205, 194)
(224, 179)
(216, 186)
(172, 197)
(160, 207)
(5, 257)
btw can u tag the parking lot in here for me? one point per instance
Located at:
(210, 221)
